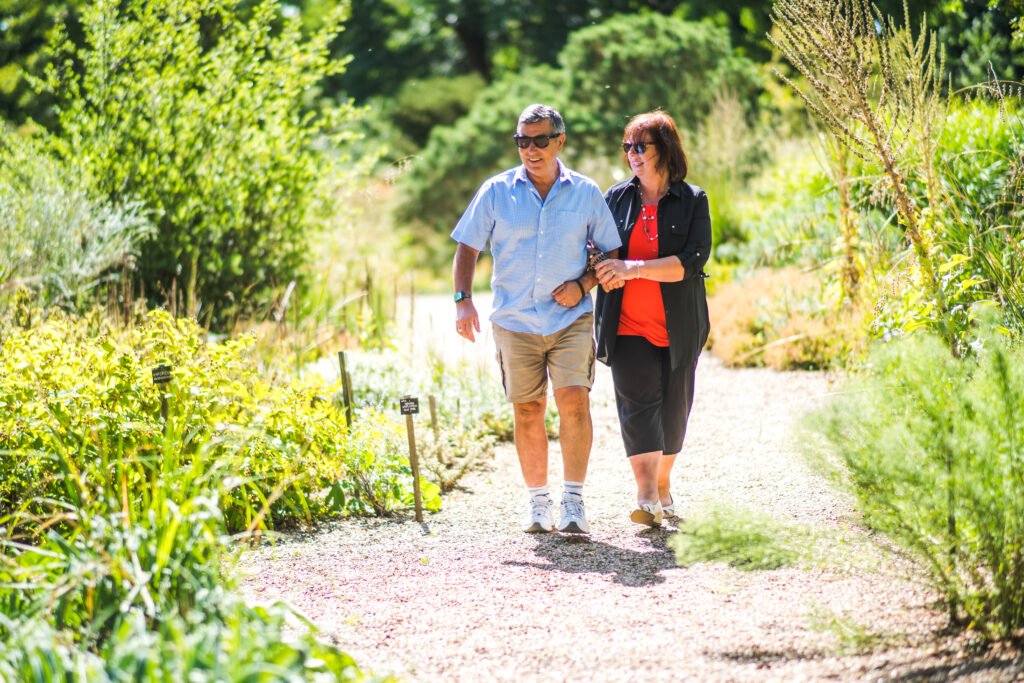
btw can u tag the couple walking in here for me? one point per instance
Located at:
(654, 231)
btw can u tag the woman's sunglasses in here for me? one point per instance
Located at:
(638, 147)
(541, 141)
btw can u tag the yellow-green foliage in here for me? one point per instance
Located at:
(72, 389)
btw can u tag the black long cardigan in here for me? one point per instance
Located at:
(684, 231)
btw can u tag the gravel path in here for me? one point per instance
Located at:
(468, 597)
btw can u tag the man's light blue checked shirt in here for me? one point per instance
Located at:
(537, 245)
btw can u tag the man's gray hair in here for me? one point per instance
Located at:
(536, 113)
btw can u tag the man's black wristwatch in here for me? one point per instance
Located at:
(460, 295)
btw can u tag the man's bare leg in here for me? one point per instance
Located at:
(531, 441)
(576, 432)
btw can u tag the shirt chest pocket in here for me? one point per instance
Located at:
(679, 229)
(674, 239)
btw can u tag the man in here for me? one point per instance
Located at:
(538, 218)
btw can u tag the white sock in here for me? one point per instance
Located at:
(572, 489)
(538, 492)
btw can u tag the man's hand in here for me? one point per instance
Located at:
(568, 294)
(466, 319)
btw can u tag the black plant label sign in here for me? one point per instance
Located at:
(409, 405)
(162, 374)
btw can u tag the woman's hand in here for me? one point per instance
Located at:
(613, 273)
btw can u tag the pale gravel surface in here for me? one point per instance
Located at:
(468, 597)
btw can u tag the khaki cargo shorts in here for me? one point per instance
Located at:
(527, 359)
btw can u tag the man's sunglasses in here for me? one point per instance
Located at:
(540, 140)
(638, 147)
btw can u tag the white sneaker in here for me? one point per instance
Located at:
(538, 517)
(574, 517)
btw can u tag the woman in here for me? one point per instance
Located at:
(652, 315)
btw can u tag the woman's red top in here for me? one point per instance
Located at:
(643, 312)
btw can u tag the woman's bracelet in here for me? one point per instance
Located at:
(635, 264)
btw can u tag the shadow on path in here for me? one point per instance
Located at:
(582, 555)
(1000, 668)
(990, 667)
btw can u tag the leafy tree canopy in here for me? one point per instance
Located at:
(26, 27)
(393, 41)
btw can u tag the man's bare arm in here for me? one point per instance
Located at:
(466, 318)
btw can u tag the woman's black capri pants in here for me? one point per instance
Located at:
(653, 400)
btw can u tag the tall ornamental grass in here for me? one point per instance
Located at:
(933, 449)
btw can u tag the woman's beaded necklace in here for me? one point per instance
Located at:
(649, 214)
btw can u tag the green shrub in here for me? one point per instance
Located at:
(196, 108)
(933, 449)
(787, 213)
(54, 238)
(440, 101)
(634, 63)
(69, 378)
(743, 538)
(983, 167)
(100, 587)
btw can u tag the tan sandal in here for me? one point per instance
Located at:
(649, 513)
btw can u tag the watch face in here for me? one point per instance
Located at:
(459, 296)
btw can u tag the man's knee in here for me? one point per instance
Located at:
(573, 400)
(529, 410)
